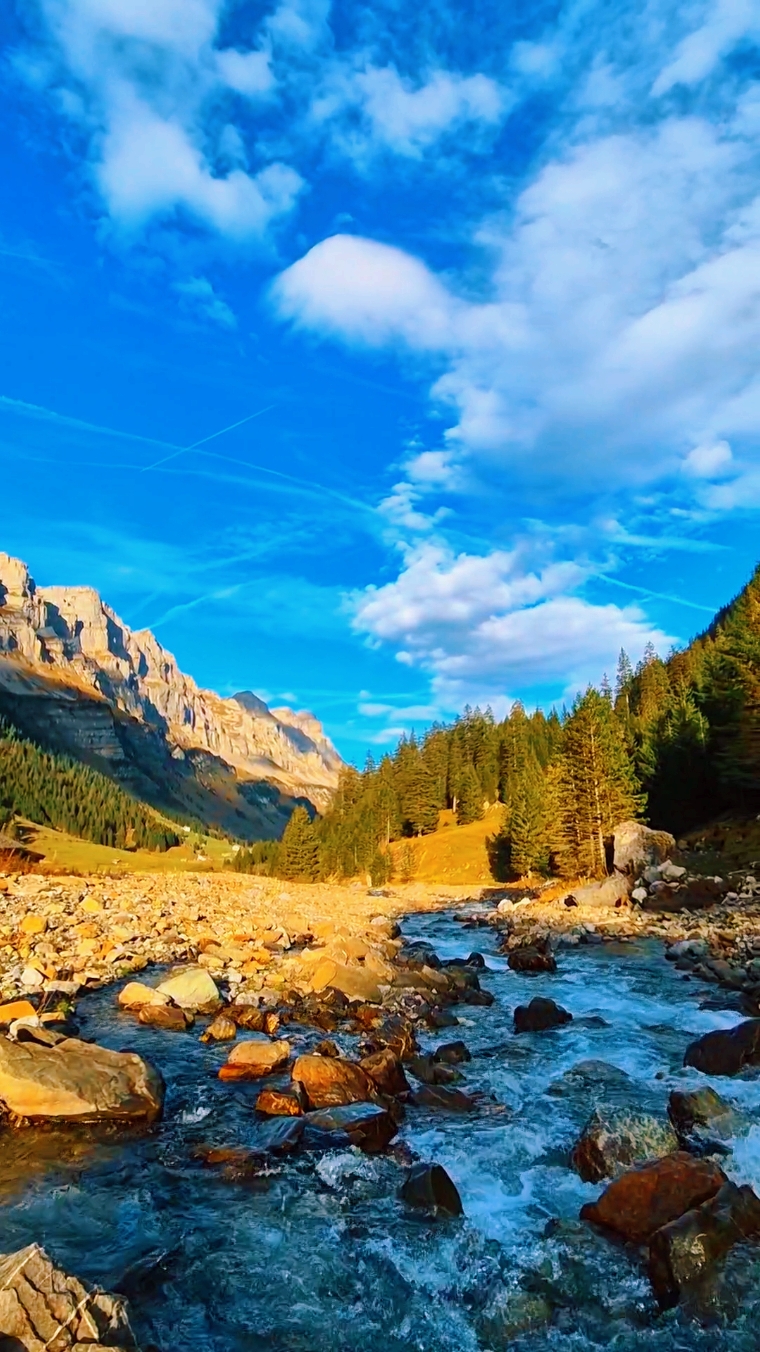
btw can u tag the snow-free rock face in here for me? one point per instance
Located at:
(69, 634)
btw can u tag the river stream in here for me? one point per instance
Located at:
(316, 1254)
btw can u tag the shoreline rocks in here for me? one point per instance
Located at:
(41, 1307)
(643, 1200)
(78, 1082)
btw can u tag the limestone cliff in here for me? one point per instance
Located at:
(64, 644)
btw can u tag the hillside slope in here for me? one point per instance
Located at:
(452, 854)
(76, 679)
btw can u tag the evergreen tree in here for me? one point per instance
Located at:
(298, 857)
(597, 784)
(469, 797)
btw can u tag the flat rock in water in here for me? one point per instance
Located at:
(643, 1200)
(169, 1017)
(330, 1082)
(443, 1099)
(726, 1050)
(539, 1015)
(192, 989)
(136, 994)
(42, 1308)
(276, 1104)
(429, 1187)
(16, 1009)
(612, 1141)
(252, 1059)
(366, 1125)
(77, 1082)
(681, 1253)
(278, 1135)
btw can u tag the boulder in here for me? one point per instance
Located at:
(254, 1058)
(442, 1099)
(277, 1135)
(427, 1070)
(386, 1072)
(606, 892)
(16, 1009)
(366, 1125)
(192, 989)
(702, 1113)
(643, 1200)
(248, 1017)
(682, 1252)
(330, 1083)
(170, 1017)
(612, 1141)
(41, 1307)
(355, 982)
(452, 1053)
(530, 959)
(428, 1187)
(726, 1050)
(539, 1015)
(136, 994)
(277, 1104)
(636, 847)
(77, 1082)
(221, 1029)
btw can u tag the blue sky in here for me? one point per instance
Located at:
(475, 289)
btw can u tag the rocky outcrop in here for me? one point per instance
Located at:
(44, 1310)
(77, 1082)
(70, 636)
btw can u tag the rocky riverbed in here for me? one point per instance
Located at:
(416, 1139)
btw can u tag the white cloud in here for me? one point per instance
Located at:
(200, 296)
(700, 51)
(409, 119)
(709, 461)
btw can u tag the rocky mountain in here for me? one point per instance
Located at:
(78, 679)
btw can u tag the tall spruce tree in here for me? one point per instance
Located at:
(469, 797)
(298, 856)
(597, 784)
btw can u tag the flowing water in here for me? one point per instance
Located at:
(316, 1254)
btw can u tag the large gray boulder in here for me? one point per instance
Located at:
(77, 1082)
(43, 1310)
(637, 847)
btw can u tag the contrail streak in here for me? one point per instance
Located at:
(658, 596)
(183, 449)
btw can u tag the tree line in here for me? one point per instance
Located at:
(675, 742)
(55, 791)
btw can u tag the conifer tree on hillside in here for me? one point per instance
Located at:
(469, 797)
(597, 785)
(298, 856)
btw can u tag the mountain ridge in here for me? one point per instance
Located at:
(63, 646)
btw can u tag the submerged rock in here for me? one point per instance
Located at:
(77, 1082)
(366, 1125)
(645, 1199)
(439, 1097)
(681, 1253)
(531, 959)
(726, 1050)
(430, 1188)
(330, 1083)
(539, 1015)
(612, 1141)
(41, 1307)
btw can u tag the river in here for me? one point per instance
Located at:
(316, 1254)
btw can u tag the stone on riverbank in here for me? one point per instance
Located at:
(726, 1051)
(637, 847)
(77, 1082)
(540, 1015)
(41, 1307)
(645, 1199)
(681, 1253)
(612, 1141)
(429, 1187)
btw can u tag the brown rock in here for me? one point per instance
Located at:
(645, 1199)
(530, 959)
(136, 994)
(41, 1307)
(33, 924)
(330, 1083)
(17, 1009)
(77, 1081)
(221, 1029)
(681, 1253)
(169, 1017)
(539, 1015)
(612, 1141)
(366, 1125)
(637, 847)
(429, 1187)
(726, 1051)
(441, 1098)
(276, 1104)
(251, 1060)
(247, 1016)
(386, 1071)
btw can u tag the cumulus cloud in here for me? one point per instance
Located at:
(482, 625)
(200, 296)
